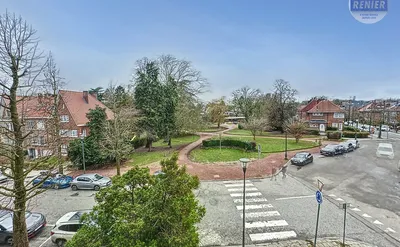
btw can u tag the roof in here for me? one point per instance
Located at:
(310, 105)
(34, 106)
(78, 107)
(325, 106)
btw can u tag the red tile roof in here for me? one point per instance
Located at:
(325, 106)
(78, 107)
(34, 106)
(309, 106)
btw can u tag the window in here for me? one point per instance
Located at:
(83, 133)
(64, 133)
(64, 148)
(338, 115)
(73, 133)
(40, 125)
(84, 179)
(335, 125)
(30, 125)
(318, 114)
(64, 118)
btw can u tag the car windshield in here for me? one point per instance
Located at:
(330, 147)
(97, 177)
(300, 155)
(385, 149)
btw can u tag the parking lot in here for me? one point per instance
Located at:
(369, 183)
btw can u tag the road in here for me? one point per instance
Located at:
(370, 184)
(387, 135)
(277, 210)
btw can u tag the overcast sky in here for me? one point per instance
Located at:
(315, 45)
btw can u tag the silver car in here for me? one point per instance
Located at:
(90, 182)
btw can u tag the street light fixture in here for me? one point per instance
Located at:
(83, 153)
(244, 162)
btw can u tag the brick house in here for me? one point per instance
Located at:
(320, 114)
(379, 111)
(73, 107)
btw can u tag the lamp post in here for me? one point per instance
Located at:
(244, 162)
(286, 145)
(83, 153)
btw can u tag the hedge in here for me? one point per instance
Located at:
(312, 132)
(331, 128)
(138, 142)
(350, 129)
(349, 134)
(333, 135)
(249, 146)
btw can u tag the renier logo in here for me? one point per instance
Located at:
(368, 11)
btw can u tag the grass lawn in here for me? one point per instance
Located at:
(243, 132)
(206, 155)
(213, 129)
(177, 141)
(144, 158)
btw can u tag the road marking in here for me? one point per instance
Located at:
(378, 222)
(250, 200)
(339, 199)
(272, 223)
(272, 236)
(293, 197)
(332, 195)
(235, 181)
(238, 185)
(356, 209)
(257, 206)
(45, 242)
(247, 194)
(390, 230)
(261, 214)
(241, 189)
(366, 216)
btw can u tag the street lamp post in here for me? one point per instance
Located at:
(286, 145)
(244, 162)
(83, 154)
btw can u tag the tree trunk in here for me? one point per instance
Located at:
(297, 140)
(170, 142)
(219, 124)
(118, 160)
(150, 144)
(254, 137)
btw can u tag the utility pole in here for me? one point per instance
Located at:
(382, 119)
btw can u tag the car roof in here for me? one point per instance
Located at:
(88, 175)
(388, 145)
(74, 216)
(304, 153)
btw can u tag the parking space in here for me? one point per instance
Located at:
(369, 183)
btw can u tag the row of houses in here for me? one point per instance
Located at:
(35, 113)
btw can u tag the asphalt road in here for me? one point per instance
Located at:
(370, 184)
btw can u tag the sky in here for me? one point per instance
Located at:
(315, 45)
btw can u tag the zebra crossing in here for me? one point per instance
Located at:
(262, 221)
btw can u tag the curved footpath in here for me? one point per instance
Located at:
(232, 170)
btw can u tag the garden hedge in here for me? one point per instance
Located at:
(246, 145)
(333, 135)
(331, 128)
(312, 132)
(350, 134)
(350, 129)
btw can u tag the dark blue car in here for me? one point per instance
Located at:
(58, 181)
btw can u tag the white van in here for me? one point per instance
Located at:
(385, 150)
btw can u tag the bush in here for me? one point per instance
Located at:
(138, 142)
(350, 129)
(329, 128)
(93, 153)
(361, 134)
(312, 132)
(240, 126)
(249, 146)
(333, 135)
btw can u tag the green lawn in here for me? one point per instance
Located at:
(177, 141)
(144, 158)
(207, 155)
(243, 132)
(213, 129)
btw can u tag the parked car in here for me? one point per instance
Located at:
(90, 182)
(301, 159)
(57, 181)
(385, 150)
(66, 227)
(348, 146)
(332, 149)
(35, 222)
(355, 143)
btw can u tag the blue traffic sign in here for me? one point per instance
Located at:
(318, 196)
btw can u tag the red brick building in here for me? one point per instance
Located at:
(73, 107)
(320, 114)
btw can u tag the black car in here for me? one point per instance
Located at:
(35, 222)
(348, 146)
(301, 159)
(332, 149)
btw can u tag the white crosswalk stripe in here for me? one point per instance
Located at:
(257, 237)
(241, 189)
(249, 200)
(253, 194)
(272, 223)
(257, 206)
(235, 181)
(238, 185)
(261, 214)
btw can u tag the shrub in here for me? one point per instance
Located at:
(138, 142)
(240, 126)
(312, 132)
(246, 145)
(350, 128)
(329, 128)
(350, 134)
(333, 135)
(93, 153)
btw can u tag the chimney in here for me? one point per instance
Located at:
(86, 96)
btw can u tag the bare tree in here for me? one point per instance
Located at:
(120, 129)
(51, 86)
(256, 125)
(247, 100)
(296, 128)
(20, 66)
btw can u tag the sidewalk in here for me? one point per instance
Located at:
(309, 243)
